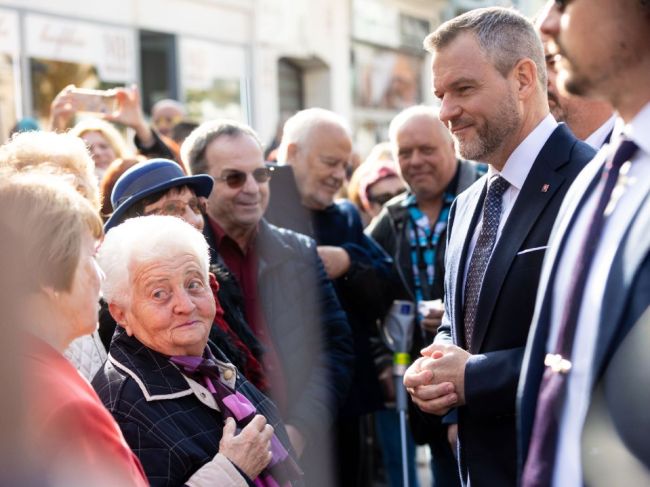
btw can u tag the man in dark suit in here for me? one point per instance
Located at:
(489, 73)
(595, 284)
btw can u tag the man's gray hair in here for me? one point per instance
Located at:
(195, 145)
(298, 127)
(405, 116)
(504, 35)
(144, 240)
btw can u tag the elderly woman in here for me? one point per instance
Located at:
(50, 234)
(67, 156)
(159, 187)
(178, 401)
(55, 153)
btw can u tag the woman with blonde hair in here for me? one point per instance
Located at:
(51, 234)
(62, 154)
(103, 140)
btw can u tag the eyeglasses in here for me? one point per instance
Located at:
(178, 207)
(382, 198)
(236, 179)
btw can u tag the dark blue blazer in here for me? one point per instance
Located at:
(487, 439)
(627, 297)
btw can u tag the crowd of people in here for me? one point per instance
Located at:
(180, 311)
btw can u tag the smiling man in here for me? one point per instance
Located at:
(489, 74)
(412, 228)
(316, 143)
(288, 300)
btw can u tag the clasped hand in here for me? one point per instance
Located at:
(436, 380)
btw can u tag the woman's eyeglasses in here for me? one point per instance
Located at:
(382, 198)
(178, 207)
(236, 179)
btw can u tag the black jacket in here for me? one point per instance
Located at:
(164, 420)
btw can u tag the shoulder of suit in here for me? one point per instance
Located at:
(583, 152)
(346, 206)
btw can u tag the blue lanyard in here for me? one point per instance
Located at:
(424, 240)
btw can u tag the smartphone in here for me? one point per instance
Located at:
(94, 101)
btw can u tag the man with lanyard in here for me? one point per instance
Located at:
(412, 229)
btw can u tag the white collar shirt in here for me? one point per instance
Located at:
(515, 171)
(568, 461)
(598, 136)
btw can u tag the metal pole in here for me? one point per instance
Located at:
(398, 332)
(400, 362)
(401, 398)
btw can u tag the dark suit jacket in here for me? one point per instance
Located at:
(487, 440)
(627, 297)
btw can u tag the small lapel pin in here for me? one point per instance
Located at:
(545, 188)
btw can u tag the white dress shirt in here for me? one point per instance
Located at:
(597, 138)
(568, 472)
(515, 171)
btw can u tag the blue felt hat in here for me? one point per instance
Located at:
(149, 177)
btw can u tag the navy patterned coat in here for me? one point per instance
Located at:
(171, 423)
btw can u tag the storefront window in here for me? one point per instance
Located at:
(50, 77)
(385, 79)
(212, 77)
(63, 52)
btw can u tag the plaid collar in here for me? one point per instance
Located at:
(157, 377)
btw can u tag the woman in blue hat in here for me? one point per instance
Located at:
(160, 187)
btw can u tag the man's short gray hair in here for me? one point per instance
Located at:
(144, 240)
(504, 34)
(298, 127)
(193, 149)
(405, 116)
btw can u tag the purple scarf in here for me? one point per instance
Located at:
(282, 469)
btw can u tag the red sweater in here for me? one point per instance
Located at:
(71, 431)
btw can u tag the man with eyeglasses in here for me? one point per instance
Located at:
(412, 228)
(289, 302)
(317, 144)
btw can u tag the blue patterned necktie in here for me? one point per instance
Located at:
(538, 471)
(482, 252)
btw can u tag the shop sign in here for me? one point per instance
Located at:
(110, 49)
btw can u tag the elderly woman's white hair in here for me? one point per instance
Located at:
(142, 240)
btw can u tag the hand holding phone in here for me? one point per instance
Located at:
(93, 101)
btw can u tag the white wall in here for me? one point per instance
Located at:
(303, 30)
(226, 20)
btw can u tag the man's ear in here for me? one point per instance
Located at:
(119, 315)
(292, 150)
(525, 75)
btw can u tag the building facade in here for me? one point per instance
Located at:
(257, 61)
